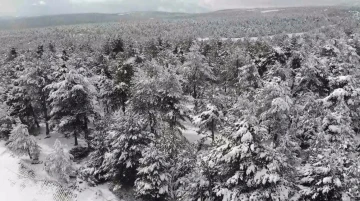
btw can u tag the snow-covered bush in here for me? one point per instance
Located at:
(22, 143)
(59, 163)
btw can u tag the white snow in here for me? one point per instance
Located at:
(337, 182)
(252, 39)
(339, 93)
(279, 104)
(247, 137)
(327, 180)
(12, 185)
(191, 132)
(269, 11)
(335, 129)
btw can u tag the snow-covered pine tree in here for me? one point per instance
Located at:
(107, 93)
(275, 109)
(92, 170)
(230, 70)
(21, 106)
(35, 77)
(153, 177)
(209, 120)
(174, 159)
(73, 102)
(329, 174)
(126, 138)
(312, 76)
(196, 71)
(246, 169)
(124, 75)
(198, 182)
(22, 143)
(157, 93)
(59, 163)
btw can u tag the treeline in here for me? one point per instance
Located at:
(221, 24)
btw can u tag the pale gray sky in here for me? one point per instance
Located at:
(46, 7)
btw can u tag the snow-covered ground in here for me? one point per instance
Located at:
(22, 181)
(15, 187)
(191, 132)
(253, 39)
(269, 11)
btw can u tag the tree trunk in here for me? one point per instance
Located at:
(29, 153)
(34, 115)
(107, 108)
(47, 128)
(86, 131)
(194, 91)
(213, 131)
(45, 111)
(22, 120)
(76, 139)
(152, 123)
(123, 105)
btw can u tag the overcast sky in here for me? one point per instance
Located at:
(46, 7)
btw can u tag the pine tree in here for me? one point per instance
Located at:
(93, 171)
(36, 76)
(73, 103)
(127, 137)
(198, 182)
(59, 163)
(156, 93)
(21, 104)
(196, 71)
(275, 108)
(247, 170)
(22, 143)
(107, 92)
(153, 176)
(329, 174)
(209, 120)
(124, 76)
(163, 165)
(229, 72)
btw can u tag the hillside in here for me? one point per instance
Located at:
(71, 19)
(13, 23)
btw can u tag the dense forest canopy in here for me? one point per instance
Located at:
(273, 96)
